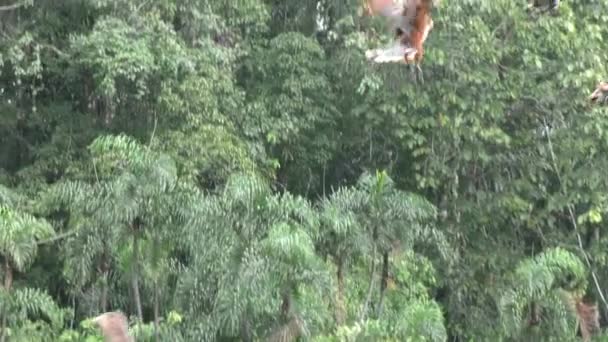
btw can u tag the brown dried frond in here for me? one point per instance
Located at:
(588, 319)
(587, 315)
(290, 331)
(114, 327)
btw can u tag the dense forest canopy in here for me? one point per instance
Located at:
(238, 171)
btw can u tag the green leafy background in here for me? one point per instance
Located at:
(237, 171)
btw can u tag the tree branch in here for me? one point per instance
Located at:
(10, 7)
(574, 225)
(372, 277)
(56, 237)
(55, 49)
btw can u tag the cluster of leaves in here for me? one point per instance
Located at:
(207, 167)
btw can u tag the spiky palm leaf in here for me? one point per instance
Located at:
(546, 291)
(421, 320)
(396, 216)
(258, 248)
(22, 306)
(376, 216)
(343, 231)
(10, 198)
(19, 233)
(131, 198)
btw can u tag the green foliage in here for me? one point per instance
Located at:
(291, 107)
(19, 233)
(548, 281)
(24, 304)
(264, 245)
(217, 159)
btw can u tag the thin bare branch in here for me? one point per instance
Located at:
(11, 7)
(56, 238)
(574, 224)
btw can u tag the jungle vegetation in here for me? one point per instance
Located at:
(237, 171)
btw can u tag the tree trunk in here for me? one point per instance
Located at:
(156, 312)
(286, 303)
(135, 279)
(104, 286)
(534, 314)
(290, 329)
(3, 334)
(383, 283)
(104, 293)
(340, 313)
(370, 288)
(8, 282)
(246, 334)
(8, 275)
(108, 105)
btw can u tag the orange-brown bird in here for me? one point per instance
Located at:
(411, 22)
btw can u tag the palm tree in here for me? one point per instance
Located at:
(343, 237)
(392, 218)
(131, 199)
(545, 298)
(20, 233)
(252, 251)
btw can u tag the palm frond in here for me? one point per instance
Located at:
(119, 151)
(248, 190)
(422, 319)
(547, 281)
(290, 244)
(9, 197)
(27, 303)
(19, 233)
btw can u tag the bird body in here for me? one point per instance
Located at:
(411, 21)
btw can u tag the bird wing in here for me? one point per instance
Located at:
(394, 53)
(387, 8)
(400, 13)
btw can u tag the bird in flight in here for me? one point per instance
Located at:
(411, 23)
